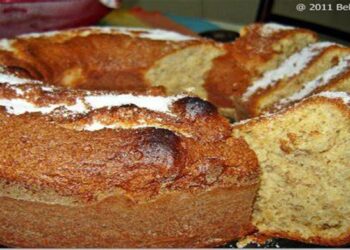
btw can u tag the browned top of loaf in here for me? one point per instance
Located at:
(97, 59)
(189, 149)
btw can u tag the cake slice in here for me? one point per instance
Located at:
(261, 47)
(336, 78)
(303, 152)
(289, 77)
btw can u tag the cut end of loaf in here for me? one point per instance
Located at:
(184, 68)
(304, 159)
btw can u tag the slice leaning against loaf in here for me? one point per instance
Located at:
(304, 157)
(261, 47)
(290, 76)
(336, 78)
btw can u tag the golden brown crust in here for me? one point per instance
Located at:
(208, 217)
(312, 99)
(112, 61)
(141, 161)
(146, 178)
(226, 80)
(176, 150)
(181, 181)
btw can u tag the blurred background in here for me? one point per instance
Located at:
(219, 19)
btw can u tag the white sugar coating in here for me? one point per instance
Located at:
(322, 80)
(21, 106)
(270, 28)
(78, 107)
(165, 35)
(47, 88)
(293, 65)
(6, 44)
(97, 125)
(14, 80)
(19, 91)
(152, 34)
(155, 103)
(345, 97)
(41, 34)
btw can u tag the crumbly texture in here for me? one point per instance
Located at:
(303, 156)
(185, 70)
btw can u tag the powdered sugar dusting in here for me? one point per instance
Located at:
(14, 80)
(270, 28)
(322, 80)
(18, 91)
(20, 106)
(290, 67)
(155, 103)
(165, 35)
(97, 125)
(152, 34)
(47, 88)
(345, 97)
(83, 105)
(6, 44)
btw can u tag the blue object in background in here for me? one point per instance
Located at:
(195, 24)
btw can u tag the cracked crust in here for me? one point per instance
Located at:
(148, 174)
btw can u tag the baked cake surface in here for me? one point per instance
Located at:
(303, 155)
(123, 59)
(116, 152)
(106, 169)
